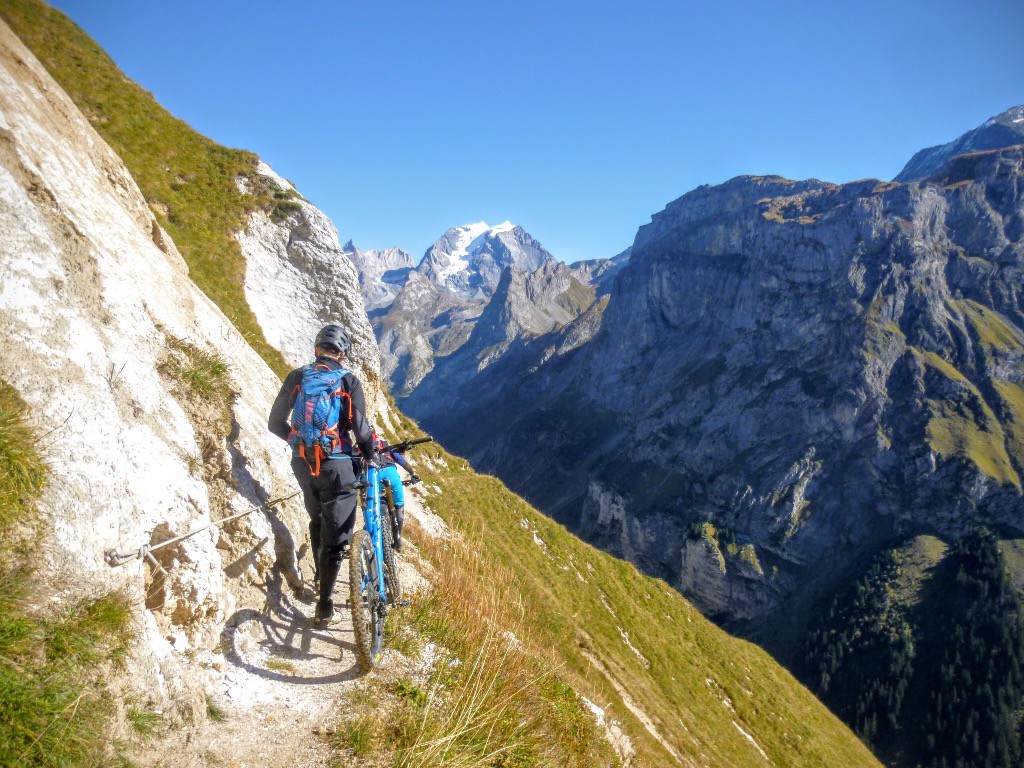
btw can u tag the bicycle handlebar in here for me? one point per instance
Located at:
(405, 445)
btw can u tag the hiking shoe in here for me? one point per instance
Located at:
(324, 612)
(397, 544)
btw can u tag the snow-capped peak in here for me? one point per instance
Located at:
(468, 259)
(458, 246)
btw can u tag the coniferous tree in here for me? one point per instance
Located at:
(975, 717)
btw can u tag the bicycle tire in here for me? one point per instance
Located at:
(392, 584)
(367, 618)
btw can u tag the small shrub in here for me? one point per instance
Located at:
(407, 690)
(145, 723)
(214, 712)
(22, 469)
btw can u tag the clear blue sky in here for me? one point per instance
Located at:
(577, 120)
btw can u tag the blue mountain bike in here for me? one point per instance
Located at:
(373, 571)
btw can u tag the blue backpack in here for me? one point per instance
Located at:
(320, 416)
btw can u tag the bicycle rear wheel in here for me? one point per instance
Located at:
(364, 599)
(392, 585)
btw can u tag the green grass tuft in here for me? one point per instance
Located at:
(145, 723)
(214, 712)
(202, 374)
(54, 711)
(281, 665)
(22, 469)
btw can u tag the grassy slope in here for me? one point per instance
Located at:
(189, 181)
(990, 435)
(580, 600)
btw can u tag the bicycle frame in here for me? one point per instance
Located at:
(371, 524)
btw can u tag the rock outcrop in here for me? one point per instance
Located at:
(102, 326)
(299, 278)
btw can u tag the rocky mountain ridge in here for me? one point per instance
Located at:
(1003, 130)
(435, 311)
(786, 374)
(382, 274)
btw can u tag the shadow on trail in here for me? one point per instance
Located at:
(289, 638)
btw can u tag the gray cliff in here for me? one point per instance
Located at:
(785, 376)
(382, 274)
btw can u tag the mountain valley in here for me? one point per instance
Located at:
(156, 286)
(786, 379)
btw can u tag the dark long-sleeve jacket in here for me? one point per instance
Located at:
(394, 457)
(280, 411)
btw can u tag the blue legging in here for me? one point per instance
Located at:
(390, 476)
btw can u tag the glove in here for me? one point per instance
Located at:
(414, 479)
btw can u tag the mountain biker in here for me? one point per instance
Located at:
(326, 475)
(389, 474)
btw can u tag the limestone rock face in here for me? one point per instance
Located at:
(94, 301)
(811, 368)
(299, 278)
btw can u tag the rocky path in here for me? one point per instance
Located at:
(278, 681)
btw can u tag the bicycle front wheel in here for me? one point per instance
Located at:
(392, 586)
(364, 599)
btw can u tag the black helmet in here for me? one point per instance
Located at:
(333, 337)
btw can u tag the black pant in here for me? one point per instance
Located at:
(331, 503)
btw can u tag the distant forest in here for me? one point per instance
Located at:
(931, 676)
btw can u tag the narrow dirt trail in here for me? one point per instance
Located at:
(278, 679)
